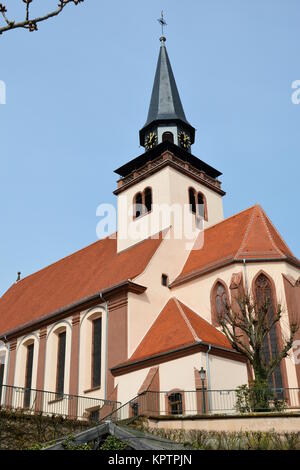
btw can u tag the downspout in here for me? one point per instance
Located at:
(208, 376)
(106, 344)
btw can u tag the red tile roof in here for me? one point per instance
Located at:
(247, 235)
(177, 326)
(72, 279)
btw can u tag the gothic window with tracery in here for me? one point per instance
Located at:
(264, 294)
(220, 303)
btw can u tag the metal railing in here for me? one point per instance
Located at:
(52, 403)
(210, 402)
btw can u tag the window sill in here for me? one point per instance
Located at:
(93, 389)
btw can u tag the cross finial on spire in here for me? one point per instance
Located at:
(163, 23)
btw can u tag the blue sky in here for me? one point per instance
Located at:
(78, 91)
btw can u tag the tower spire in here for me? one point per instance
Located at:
(166, 114)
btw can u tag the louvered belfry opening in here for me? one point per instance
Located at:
(264, 293)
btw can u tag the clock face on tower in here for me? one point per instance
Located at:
(184, 140)
(150, 140)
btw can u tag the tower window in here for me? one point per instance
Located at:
(168, 136)
(138, 205)
(198, 204)
(148, 199)
(142, 203)
(192, 200)
(164, 280)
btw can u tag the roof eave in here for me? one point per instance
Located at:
(81, 304)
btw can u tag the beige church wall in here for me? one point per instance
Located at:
(145, 225)
(179, 374)
(85, 353)
(179, 186)
(196, 293)
(226, 374)
(52, 354)
(129, 384)
(169, 187)
(21, 359)
(144, 309)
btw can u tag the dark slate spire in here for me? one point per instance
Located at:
(165, 106)
(165, 100)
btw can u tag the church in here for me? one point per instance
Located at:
(137, 312)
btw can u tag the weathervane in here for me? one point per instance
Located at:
(162, 22)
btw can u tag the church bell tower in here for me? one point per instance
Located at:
(167, 174)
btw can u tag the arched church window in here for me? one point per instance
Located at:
(61, 358)
(168, 136)
(220, 303)
(138, 204)
(2, 365)
(148, 199)
(192, 200)
(264, 296)
(28, 375)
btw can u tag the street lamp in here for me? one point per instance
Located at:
(202, 373)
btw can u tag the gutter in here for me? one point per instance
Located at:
(135, 363)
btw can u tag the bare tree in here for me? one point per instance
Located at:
(249, 328)
(30, 21)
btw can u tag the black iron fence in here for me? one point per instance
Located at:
(202, 401)
(51, 403)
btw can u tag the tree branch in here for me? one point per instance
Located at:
(31, 23)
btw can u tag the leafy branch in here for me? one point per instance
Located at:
(31, 22)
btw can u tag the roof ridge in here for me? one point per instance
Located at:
(184, 316)
(263, 217)
(249, 226)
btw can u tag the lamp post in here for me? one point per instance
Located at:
(202, 373)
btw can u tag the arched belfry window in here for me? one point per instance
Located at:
(220, 303)
(138, 202)
(148, 199)
(192, 200)
(198, 205)
(142, 203)
(168, 136)
(264, 295)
